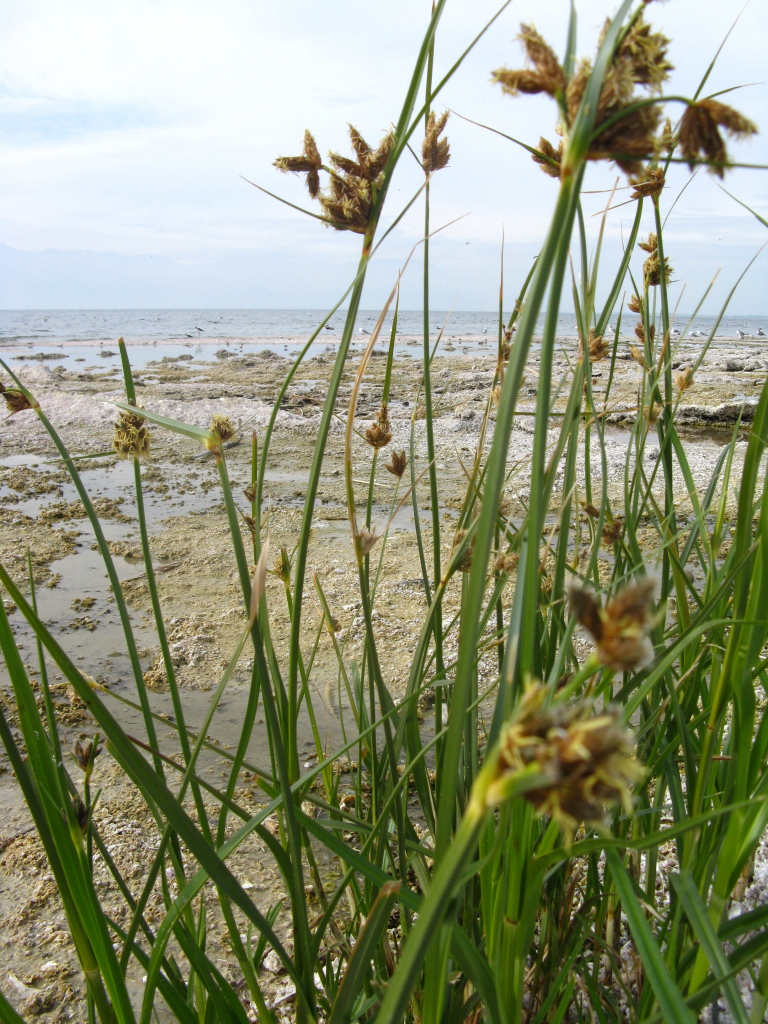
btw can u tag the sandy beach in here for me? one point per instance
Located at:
(196, 574)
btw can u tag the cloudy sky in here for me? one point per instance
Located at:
(125, 131)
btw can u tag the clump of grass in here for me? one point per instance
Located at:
(493, 867)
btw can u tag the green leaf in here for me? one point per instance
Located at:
(696, 911)
(669, 996)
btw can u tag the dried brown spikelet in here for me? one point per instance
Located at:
(132, 438)
(397, 464)
(544, 59)
(668, 139)
(700, 136)
(506, 563)
(84, 753)
(651, 413)
(309, 163)
(464, 563)
(82, 812)
(548, 158)
(576, 86)
(591, 511)
(587, 758)
(282, 565)
(650, 185)
(223, 426)
(597, 345)
(366, 540)
(638, 356)
(684, 379)
(515, 82)
(420, 412)
(15, 400)
(630, 140)
(505, 506)
(250, 522)
(640, 331)
(435, 152)
(635, 304)
(250, 493)
(620, 629)
(651, 244)
(612, 531)
(652, 270)
(646, 52)
(378, 435)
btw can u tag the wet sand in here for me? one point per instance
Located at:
(196, 574)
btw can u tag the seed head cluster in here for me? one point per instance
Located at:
(700, 136)
(223, 426)
(348, 199)
(397, 464)
(132, 436)
(629, 132)
(15, 400)
(586, 756)
(620, 628)
(435, 151)
(379, 434)
(597, 347)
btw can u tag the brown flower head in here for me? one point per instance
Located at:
(82, 812)
(282, 565)
(638, 356)
(397, 464)
(547, 74)
(668, 139)
(586, 757)
(684, 379)
(635, 304)
(612, 531)
(651, 244)
(223, 426)
(132, 438)
(250, 493)
(85, 753)
(348, 200)
(379, 434)
(620, 629)
(464, 563)
(15, 400)
(435, 152)
(597, 346)
(652, 270)
(645, 52)
(506, 563)
(700, 135)
(366, 540)
(640, 331)
(650, 184)
(548, 158)
(651, 413)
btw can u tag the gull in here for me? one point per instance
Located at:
(362, 330)
(760, 333)
(741, 334)
(328, 327)
(485, 330)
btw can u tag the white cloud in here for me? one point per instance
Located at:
(126, 129)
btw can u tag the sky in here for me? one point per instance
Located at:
(126, 133)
